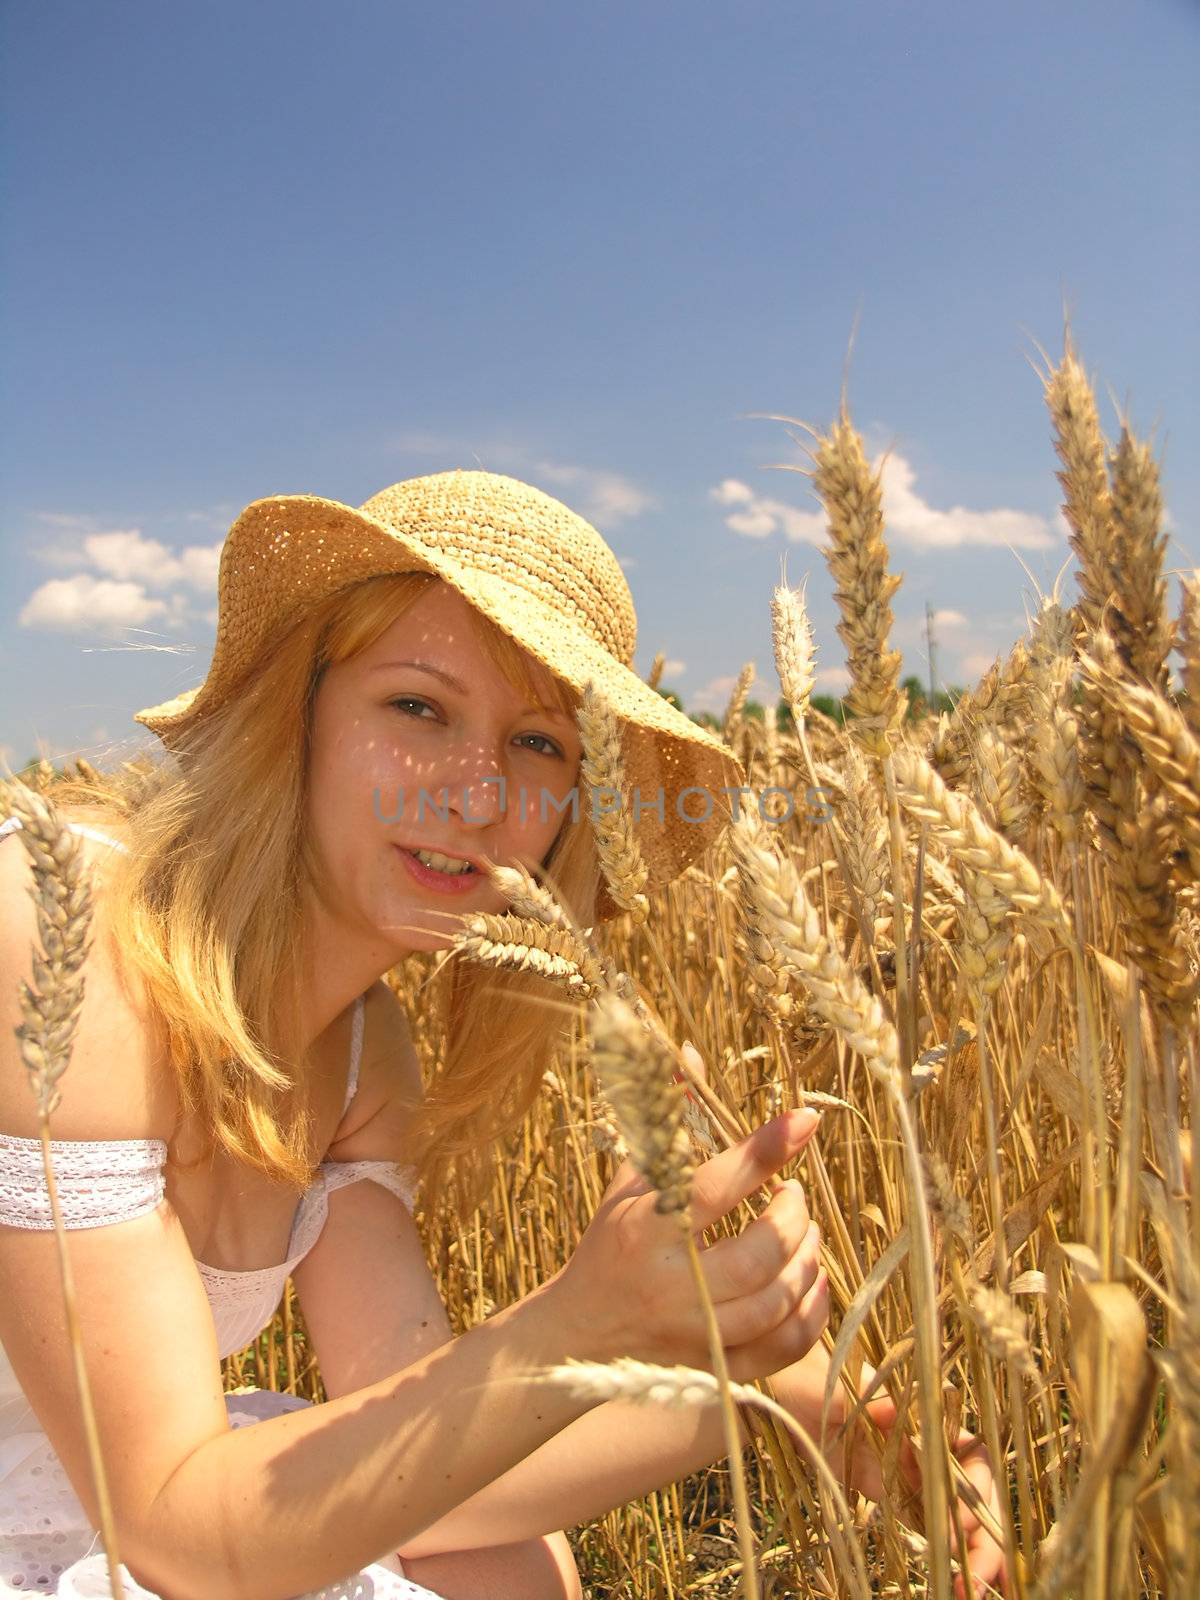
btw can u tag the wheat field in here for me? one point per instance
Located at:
(980, 962)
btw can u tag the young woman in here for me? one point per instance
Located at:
(244, 1102)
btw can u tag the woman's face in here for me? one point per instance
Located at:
(402, 759)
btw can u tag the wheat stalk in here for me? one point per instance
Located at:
(62, 895)
(643, 1383)
(636, 1066)
(839, 995)
(529, 898)
(998, 786)
(1054, 767)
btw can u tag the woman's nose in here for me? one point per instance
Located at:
(480, 798)
(472, 780)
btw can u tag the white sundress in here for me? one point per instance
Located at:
(47, 1544)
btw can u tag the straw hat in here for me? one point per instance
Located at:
(539, 571)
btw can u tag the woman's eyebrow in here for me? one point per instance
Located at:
(422, 666)
(460, 688)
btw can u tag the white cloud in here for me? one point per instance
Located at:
(84, 604)
(908, 518)
(836, 679)
(125, 554)
(949, 619)
(126, 581)
(732, 492)
(762, 516)
(674, 668)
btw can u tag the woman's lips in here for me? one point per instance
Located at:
(439, 882)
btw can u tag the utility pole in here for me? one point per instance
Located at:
(931, 651)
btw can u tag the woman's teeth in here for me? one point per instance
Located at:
(453, 866)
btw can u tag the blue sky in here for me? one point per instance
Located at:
(301, 247)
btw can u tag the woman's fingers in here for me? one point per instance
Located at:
(987, 1567)
(694, 1059)
(748, 1261)
(735, 1174)
(789, 1342)
(754, 1313)
(985, 1555)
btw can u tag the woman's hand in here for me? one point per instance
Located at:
(985, 1555)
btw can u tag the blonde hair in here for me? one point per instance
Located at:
(206, 905)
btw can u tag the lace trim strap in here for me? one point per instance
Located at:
(99, 1181)
(356, 1043)
(400, 1180)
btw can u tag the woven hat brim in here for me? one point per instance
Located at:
(331, 546)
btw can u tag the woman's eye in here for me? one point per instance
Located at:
(402, 702)
(410, 700)
(552, 751)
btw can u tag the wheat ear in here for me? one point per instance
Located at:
(1087, 506)
(795, 655)
(857, 557)
(603, 771)
(737, 699)
(957, 823)
(1188, 634)
(1170, 748)
(523, 944)
(1141, 542)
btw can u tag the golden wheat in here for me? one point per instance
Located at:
(603, 771)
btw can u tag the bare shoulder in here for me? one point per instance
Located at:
(389, 1081)
(118, 1083)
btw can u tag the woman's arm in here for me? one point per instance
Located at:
(370, 1470)
(201, 1509)
(616, 1453)
(371, 1306)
